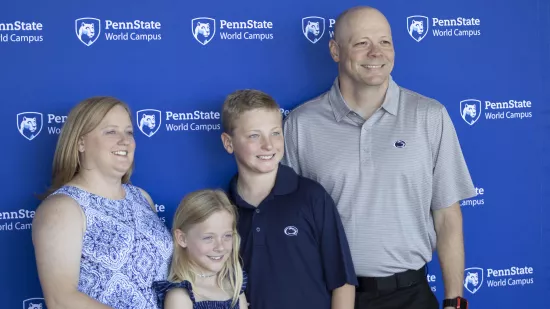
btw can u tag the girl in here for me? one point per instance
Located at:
(205, 272)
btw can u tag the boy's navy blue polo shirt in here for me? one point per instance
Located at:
(293, 246)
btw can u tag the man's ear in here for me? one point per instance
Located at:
(227, 142)
(334, 50)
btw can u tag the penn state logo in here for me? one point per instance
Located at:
(313, 28)
(87, 30)
(203, 29)
(291, 231)
(29, 124)
(417, 26)
(470, 110)
(473, 279)
(34, 303)
(148, 121)
(400, 144)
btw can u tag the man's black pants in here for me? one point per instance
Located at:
(407, 290)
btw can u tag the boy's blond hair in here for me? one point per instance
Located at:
(242, 101)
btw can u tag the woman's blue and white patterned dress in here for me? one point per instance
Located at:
(126, 247)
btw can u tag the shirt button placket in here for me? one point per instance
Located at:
(366, 143)
(257, 219)
(258, 222)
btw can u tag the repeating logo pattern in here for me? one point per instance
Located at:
(473, 279)
(470, 110)
(418, 26)
(19, 31)
(203, 29)
(29, 124)
(149, 121)
(34, 303)
(313, 28)
(88, 30)
(509, 277)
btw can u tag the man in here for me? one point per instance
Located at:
(391, 160)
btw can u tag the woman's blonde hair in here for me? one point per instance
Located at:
(82, 119)
(197, 207)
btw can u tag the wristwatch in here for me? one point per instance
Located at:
(458, 303)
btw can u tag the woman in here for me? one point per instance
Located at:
(98, 241)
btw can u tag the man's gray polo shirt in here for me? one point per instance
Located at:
(385, 174)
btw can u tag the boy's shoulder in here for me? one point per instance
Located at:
(307, 186)
(311, 186)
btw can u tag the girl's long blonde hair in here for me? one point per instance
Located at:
(196, 207)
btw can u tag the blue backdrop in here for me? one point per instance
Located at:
(179, 60)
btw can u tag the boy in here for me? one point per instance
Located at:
(294, 247)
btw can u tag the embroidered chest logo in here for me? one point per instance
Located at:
(291, 231)
(400, 144)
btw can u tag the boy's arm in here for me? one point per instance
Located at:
(343, 297)
(339, 271)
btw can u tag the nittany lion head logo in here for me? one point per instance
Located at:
(34, 303)
(29, 124)
(313, 28)
(470, 110)
(203, 29)
(473, 279)
(417, 26)
(87, 30)
(291, 231)
(148, 121)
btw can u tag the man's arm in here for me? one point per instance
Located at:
(452, 183)
(450, 248)
(343, 297)
(292, 147)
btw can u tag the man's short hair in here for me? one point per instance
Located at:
(242, 101)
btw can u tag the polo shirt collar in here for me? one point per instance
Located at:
(286, 182)
(341, 109)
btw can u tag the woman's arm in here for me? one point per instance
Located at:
(57, 232)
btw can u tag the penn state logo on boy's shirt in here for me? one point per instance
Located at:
(291, 231)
